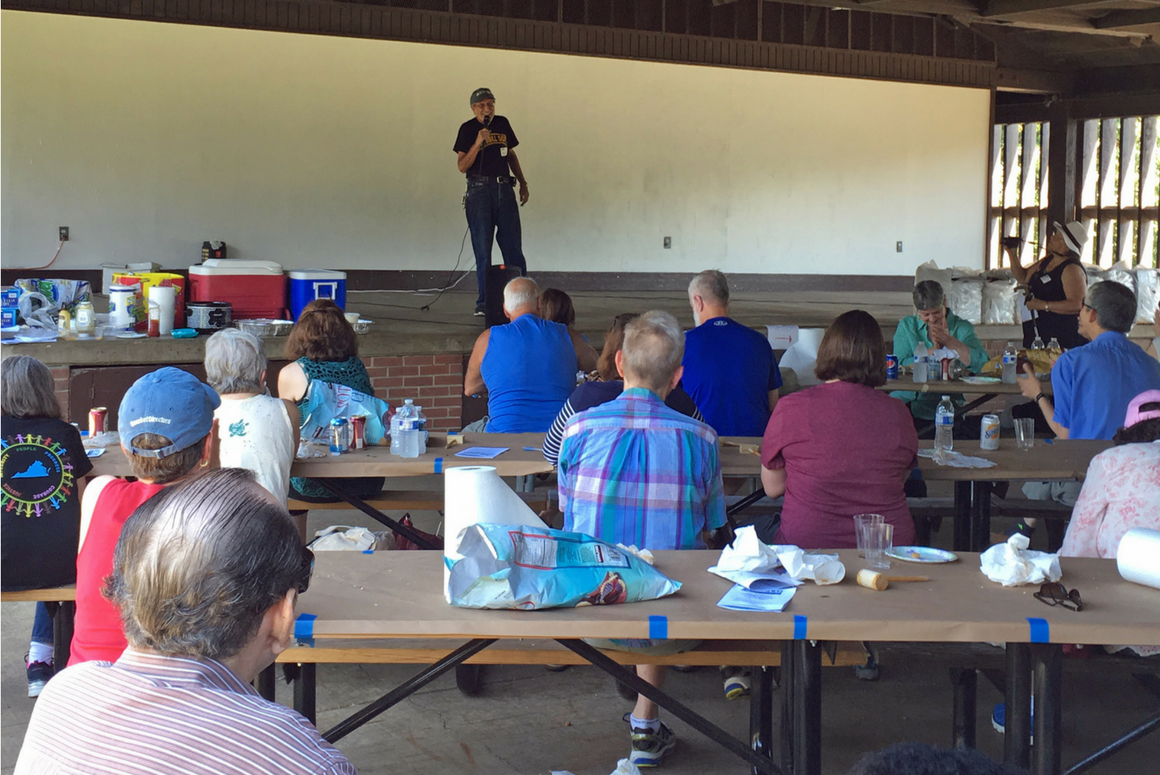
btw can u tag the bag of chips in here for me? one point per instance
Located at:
(523, 567)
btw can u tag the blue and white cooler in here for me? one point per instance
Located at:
(306, 285)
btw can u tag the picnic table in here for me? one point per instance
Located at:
(1047, 460)
(398, 595)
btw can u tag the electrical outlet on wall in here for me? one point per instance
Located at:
(898, 246)
(64, 234)
(668, 242)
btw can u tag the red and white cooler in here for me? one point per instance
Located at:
(254, 289)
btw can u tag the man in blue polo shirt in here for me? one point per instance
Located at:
(730, 370)
(1092, 384)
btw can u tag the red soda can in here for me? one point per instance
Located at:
(358, 436)
(97, 417)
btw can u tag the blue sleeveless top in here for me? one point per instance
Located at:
(530, 370)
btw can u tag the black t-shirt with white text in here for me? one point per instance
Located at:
(492, 158)
(41, 463)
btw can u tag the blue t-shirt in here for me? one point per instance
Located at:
(1094, 384)
(529, 370)
(729, 371)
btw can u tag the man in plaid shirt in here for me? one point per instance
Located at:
(636, 472)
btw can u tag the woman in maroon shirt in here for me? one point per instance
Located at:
(841, 448)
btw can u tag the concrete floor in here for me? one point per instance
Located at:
(530, 721)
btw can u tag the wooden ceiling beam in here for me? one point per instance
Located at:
(1133, 18)
(992, 8)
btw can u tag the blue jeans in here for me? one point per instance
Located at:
(42, 625)
(493, 214)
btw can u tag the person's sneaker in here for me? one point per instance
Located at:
(38, 675)
(650, 748)
(1021, 529)
(479, 311)
(736, 684)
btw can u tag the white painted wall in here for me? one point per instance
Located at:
(147, 138)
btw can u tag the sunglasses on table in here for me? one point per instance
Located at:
(1054, 593)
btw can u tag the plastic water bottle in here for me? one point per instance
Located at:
(1037, 343)
(944, 428)
(1010, 357)
(920, 362)
(406, 411)
(421, 427)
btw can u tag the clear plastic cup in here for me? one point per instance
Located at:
(1024, 432)
(861, 523)
(879, 540)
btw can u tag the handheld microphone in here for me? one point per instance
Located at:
(487, 122)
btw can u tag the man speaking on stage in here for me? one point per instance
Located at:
(486, 149)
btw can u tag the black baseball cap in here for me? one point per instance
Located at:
(481, 94)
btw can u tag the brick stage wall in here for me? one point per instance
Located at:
(60, 381)
(435, 382)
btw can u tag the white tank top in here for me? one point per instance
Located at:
(256, 433)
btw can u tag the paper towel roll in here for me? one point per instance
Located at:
(1138, 556)
(473, 495)
(165, 297)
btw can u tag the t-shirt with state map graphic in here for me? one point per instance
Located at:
(41, 463)
(492, 159)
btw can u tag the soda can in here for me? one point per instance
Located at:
(891, 367)
(989, 435)
(358, 436)
(339, 436)
(946, 368)
(97, 417)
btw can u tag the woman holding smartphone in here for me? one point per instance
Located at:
(1056, 286)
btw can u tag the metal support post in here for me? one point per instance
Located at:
(267, 680)
(1017, 698)
(962, 539)
(761, 712)
(807, 731)
(306, 691)
(966, 683)
(1047, 666)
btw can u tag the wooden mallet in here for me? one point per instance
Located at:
(880, 581)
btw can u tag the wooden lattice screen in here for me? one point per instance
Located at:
(1117, 188)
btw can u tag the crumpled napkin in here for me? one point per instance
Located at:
(749, 553)
(1012, 564)
(957, 459)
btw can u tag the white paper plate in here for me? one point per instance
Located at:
(921, 554)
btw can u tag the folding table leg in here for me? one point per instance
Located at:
(1017, 698)
(980, 516)
(966, 682)
(761, 712)
(62, 631)
(1047, 665)
(306, 691)
(962, 539)
(788, 688)
(807, 733)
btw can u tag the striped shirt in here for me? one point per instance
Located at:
(636, 472)
(148, 714)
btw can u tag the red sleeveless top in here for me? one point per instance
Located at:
(97, 632)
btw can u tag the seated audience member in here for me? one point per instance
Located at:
(936, 327)
(44, 465)
(1091, 385)
(730, 369)
(607, 387)
(636, 472)
(324, 347)
(1122, 487)
(166, 426)
(841, 448)
(925, 759)
(527, 366)
(556, 306)
(206, 576)
(255, 430)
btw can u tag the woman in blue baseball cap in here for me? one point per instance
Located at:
(167, 427)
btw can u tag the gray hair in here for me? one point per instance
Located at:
(519, 293)
(710, 285)
(234, 361)
(928, 295)
(653, 348)
(199, 564)
(1115, 305)
(27, 389)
